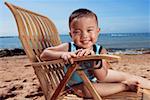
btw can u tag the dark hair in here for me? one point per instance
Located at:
(82, 12)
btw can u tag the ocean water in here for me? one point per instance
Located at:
(108, 40)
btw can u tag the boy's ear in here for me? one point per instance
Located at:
(98, 30)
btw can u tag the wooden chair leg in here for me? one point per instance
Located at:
(63, 83)
(89, 85)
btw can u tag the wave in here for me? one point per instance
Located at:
(128, 51)
(125, 34)
(8, 36)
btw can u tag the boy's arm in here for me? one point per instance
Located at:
(55, 52)
(102, 72)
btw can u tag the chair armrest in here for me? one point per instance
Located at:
(78, 59)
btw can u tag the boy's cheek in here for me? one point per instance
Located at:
(75, 38)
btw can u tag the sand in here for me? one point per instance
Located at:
(18, 82)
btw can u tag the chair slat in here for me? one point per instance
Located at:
(31, 35)
(24, 38)
(61, 69)
(53, 33)
(37, 33)
(48, 33)
(42, 32)
(58, 72)
(55, 75)
(49, 77)
(42, 38)
(52, 79)
(45, 31)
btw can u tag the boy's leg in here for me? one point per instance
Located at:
(118, 76)
(142, 82)
(104, 89)
(115, 76)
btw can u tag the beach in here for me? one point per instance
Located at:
(19, 82)
(123, 32)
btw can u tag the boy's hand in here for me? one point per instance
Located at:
(84, 52)
(67, 57)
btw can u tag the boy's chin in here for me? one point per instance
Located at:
(86, 46)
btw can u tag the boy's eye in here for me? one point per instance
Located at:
(89, 30)
(76, 32)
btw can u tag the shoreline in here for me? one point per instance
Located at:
(18, 51)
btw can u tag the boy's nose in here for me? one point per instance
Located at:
(84, 34)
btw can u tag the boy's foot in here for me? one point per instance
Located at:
(131, 86)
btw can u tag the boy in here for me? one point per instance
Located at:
(84, 31)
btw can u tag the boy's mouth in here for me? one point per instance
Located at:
(85, 41)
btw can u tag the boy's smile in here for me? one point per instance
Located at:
(84, 31)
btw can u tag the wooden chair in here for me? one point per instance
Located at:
(36, 33)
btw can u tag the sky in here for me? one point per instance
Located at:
(115, 16)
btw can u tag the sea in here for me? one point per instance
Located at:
(112, 41)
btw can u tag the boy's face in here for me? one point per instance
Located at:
(84, 31)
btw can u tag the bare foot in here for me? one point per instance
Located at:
(131, 86)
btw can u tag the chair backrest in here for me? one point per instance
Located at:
(36, 33)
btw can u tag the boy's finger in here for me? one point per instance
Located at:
(71, 61)
(73, 55)
(82, 53)
(92, 52)
(79, 53)
(76, 52)
(68, 58)
(65, 59)
(87, 53)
